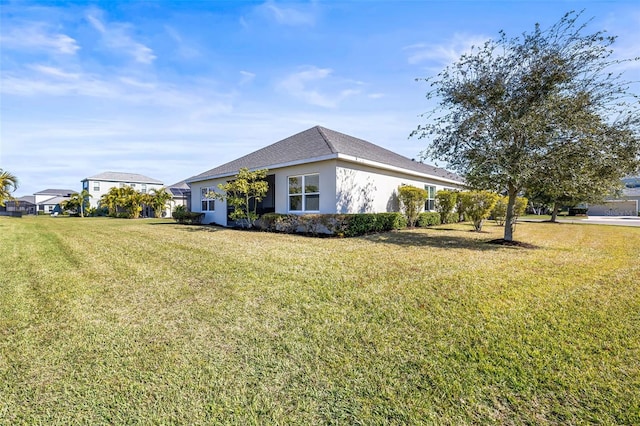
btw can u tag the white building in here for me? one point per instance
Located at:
(100, 184)
(323, 171)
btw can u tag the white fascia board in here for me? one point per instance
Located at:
(384, 166)
(271, 167)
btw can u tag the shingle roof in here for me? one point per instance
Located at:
(123, 177)
(54, 200)
(321, 143)
(63, 192)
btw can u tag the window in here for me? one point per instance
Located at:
(430, 204)
(144, 188)
(85, 184)
(121, 184)
(96, 186)
(304, 193)
(208, 204)
(133, 185)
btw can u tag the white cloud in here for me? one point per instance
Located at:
(116, 37)
(247, 77)
(38, 36)
(292, 16)
(55, 72)
(444, 53)
(309, 84)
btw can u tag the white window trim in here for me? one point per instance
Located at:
(203, 199)
(429, 198)
(303, 194)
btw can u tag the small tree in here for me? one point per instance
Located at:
(477, 206)
(499, 211)
(446, 203)
(244, 193)
(412, 201)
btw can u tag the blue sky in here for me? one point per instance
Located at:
(170, 89)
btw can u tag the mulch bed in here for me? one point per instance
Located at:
(503, 242)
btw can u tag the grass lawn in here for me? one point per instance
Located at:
(145, 321)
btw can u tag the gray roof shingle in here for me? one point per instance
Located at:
(63, 192)
(320, 142)
(123, 177)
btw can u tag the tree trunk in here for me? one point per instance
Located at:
(510, 217)
(554, 214)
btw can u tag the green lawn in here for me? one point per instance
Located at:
(145, 321)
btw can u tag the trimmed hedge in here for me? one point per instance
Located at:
(428, 219)
(186, 217)
(341, 225)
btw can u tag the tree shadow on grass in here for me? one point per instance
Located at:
(443, 238)
(191, 228)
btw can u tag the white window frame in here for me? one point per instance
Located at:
(144, 188)
(430, 202)
(96, 186)
(211, 203)
(303, 194)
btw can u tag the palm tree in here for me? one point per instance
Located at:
(77, 201)
(7, 181)
(111, 200)
(158, 200)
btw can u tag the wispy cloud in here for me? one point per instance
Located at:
(246, 77)
(116, 37)
(446, 52)
(309, 84)
(298, 15)
(38, 36)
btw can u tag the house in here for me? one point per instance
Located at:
(100, 184)
(25, 205)
(323, 171)
(48, 201)
(181, 194)
(626, 205)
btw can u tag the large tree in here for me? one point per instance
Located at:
(515, 109)
(8, 184)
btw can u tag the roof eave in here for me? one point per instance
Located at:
(270, 167)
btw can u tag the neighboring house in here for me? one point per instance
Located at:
(48, 201)
(181, 197)
(100, 184)
(25, 205)
(626, 205)
(323, 171)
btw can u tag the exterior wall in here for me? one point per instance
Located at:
(614, 208)
(365, 189)
(105, 186)
(344, 188)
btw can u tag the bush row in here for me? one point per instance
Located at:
(182, 215)
(342, 225)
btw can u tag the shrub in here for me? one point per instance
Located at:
(349, 225)
(477, 206)
(428, 219)
(446, 201)
(182, 215)
(412, 200)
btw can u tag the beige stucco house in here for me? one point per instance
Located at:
(323, 171)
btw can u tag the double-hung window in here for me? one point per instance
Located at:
(144, 188)
(208, 204)
(304, 193)
(96, 186)
(430, 203)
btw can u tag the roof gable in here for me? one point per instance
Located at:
(321, 143)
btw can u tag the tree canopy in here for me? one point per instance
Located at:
(545, 110)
